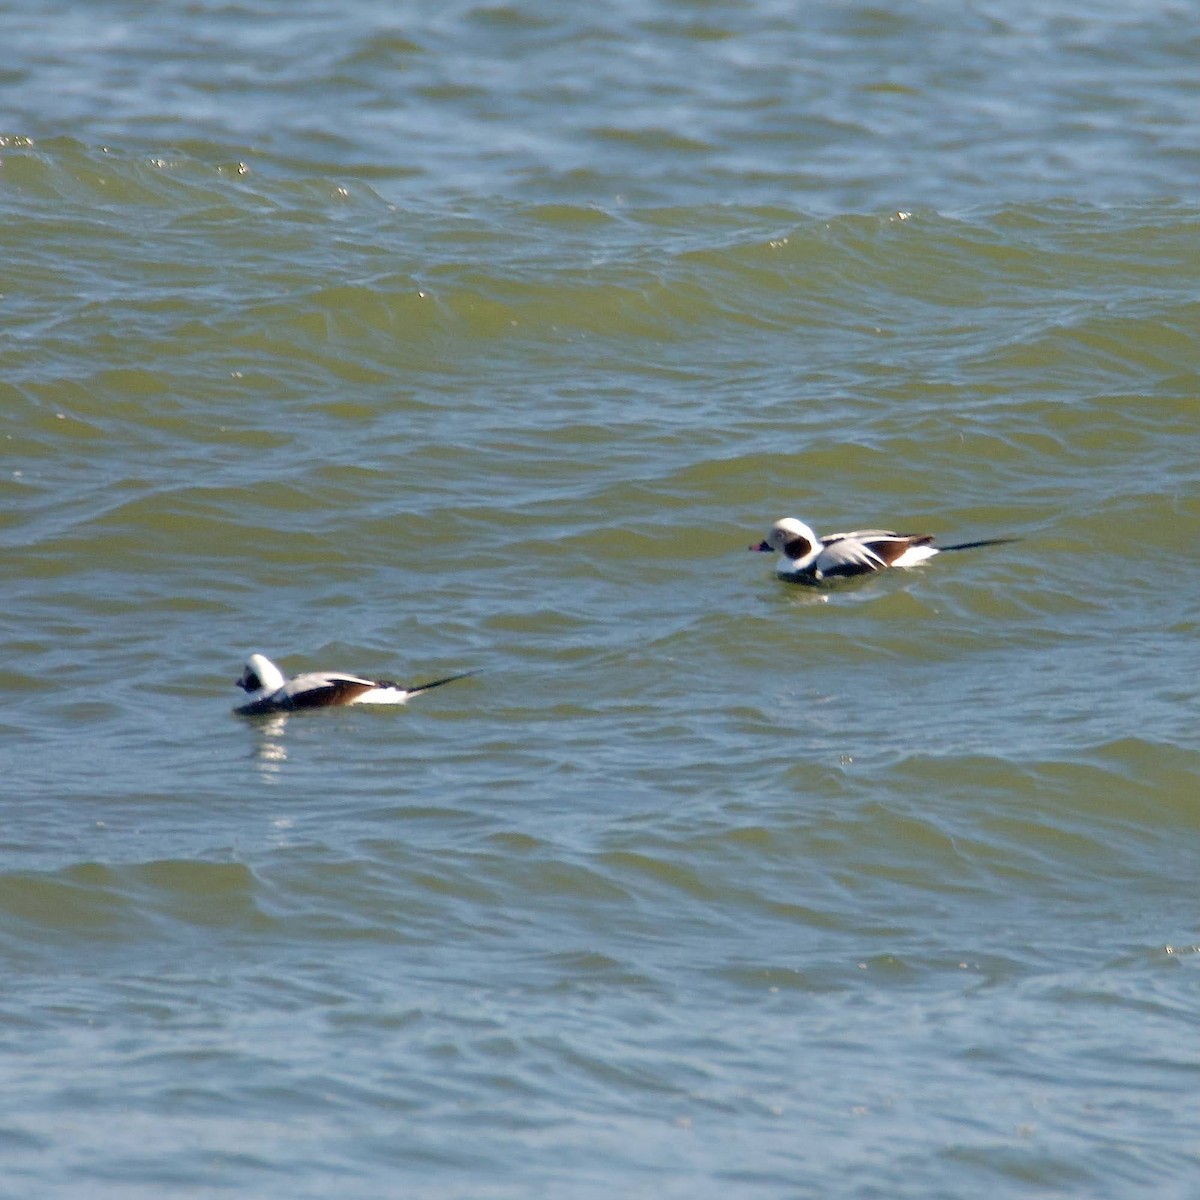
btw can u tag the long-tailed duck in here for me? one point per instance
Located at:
(271, 691)
(811, 559)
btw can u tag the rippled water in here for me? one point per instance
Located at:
(463, 336)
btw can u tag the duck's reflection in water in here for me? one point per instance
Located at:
(270, 751)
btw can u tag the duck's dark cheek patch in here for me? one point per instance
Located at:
(798, 547)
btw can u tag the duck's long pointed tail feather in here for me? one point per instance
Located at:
(985, 542)
(424, 687)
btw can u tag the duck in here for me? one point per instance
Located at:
(809, 559)
(270, 691)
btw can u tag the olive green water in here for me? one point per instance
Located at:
(463, 336)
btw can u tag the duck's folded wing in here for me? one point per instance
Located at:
(848, 554)
(863, 535)
(864, 550)
(322, 691)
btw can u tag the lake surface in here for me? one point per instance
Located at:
(437, 337)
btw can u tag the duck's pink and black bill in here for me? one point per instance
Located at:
(765, 547)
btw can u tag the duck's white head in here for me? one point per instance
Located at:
(791, 538)
(261, 676)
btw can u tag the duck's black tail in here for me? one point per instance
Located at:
(985, 542)
(424, 687)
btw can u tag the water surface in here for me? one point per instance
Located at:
(475, 336)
